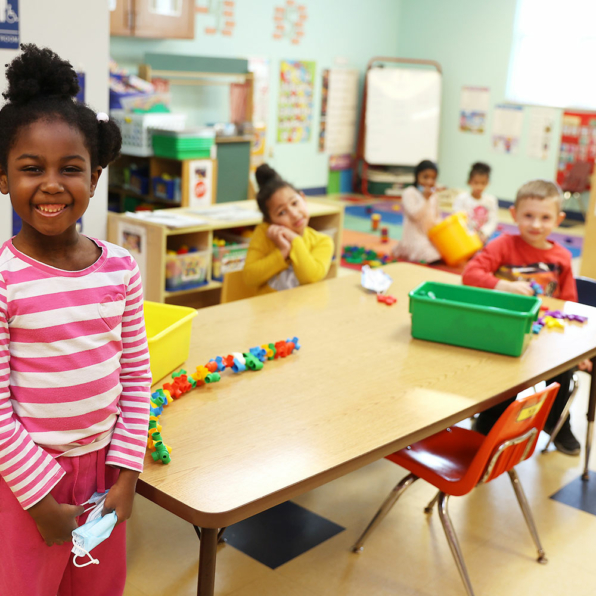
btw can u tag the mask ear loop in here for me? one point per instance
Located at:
(91, 562)
(76, 541)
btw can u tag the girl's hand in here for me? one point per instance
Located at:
(278, 235)
(515, 287)
(121, 496)
(585, 365)
(288, 234)
(55, 521)
(427, 192)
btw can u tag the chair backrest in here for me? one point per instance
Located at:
(513, 438)
(586, 290)
(234, 288)
(578, 177)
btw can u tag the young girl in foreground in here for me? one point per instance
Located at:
(421, 213)
(284, 252)
(74, 364)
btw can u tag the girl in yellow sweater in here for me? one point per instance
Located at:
(284, 252)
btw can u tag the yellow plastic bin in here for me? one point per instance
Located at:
(454, 240)
(168, 335)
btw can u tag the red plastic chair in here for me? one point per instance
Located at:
(457, 459)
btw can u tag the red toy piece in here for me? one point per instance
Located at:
(387, 299)
(281, 348)
(228, 361)
(212, 366)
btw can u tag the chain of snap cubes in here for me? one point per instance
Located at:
(182, 383)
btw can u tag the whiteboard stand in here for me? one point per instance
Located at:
(400, 115)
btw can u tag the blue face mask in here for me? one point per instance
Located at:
(89, 535)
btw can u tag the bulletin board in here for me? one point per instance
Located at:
(402, 114)
(578, 141)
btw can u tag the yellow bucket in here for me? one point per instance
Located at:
(168, 335)
(453, 239)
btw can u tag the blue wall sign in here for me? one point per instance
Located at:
(9, 24)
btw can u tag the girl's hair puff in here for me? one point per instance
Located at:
(425, 164)
(269, 182)
(42, 86)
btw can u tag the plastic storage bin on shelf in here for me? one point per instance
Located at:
(454, 241)
(167, 188)
(473, 317)
(168, 336)
(230, 257)
(184, 144)
(186, 270)
(137, 129)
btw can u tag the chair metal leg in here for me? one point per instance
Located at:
(564, 413)
(429, 508)
(453, 542)
(591, 416)
(525, 507)
(395, 494)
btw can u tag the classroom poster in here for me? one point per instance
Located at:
(507, 128)
(473, 109)
(9, 24)
(339, 111)
(295, 109)
(542, 121)
(578, 141)
(200, 181)
(260, 70)
(134, 239)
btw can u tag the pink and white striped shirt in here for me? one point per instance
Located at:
(74, 367)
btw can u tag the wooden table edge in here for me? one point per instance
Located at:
(222, 519)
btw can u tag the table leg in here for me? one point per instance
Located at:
(207, 555)
(591, 412)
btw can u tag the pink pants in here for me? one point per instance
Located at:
(28, 567)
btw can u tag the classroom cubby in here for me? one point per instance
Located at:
(157, 239)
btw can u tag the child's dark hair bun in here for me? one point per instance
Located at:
(266, 174)
(39, 72)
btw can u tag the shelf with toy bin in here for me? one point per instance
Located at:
(188, 262)
(158, 239)
(229, 252)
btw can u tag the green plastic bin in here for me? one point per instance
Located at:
(473, 317)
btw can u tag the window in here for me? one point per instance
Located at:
(553, 55)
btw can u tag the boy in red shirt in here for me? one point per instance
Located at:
(511, 263)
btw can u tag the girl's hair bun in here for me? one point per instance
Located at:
(39, 72)
(266, 174)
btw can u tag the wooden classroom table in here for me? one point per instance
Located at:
(359, 389)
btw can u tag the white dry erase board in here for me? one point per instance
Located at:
(403, 107)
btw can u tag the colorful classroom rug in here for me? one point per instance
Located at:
(358, 231)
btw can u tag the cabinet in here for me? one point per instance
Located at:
(154, 240)
(153, 18)
(198, 182)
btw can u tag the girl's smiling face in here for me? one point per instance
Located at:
(49, 177)
(288, 208)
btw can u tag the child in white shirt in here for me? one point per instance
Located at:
(482, 208)
(421, 213)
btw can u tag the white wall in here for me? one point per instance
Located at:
(78, 30)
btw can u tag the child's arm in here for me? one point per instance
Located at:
(262, 263)
(311, 265)
(488, 229)
(480, 271)
(30, 472)
(129, 441)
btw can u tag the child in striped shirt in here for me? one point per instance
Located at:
(74, 364)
